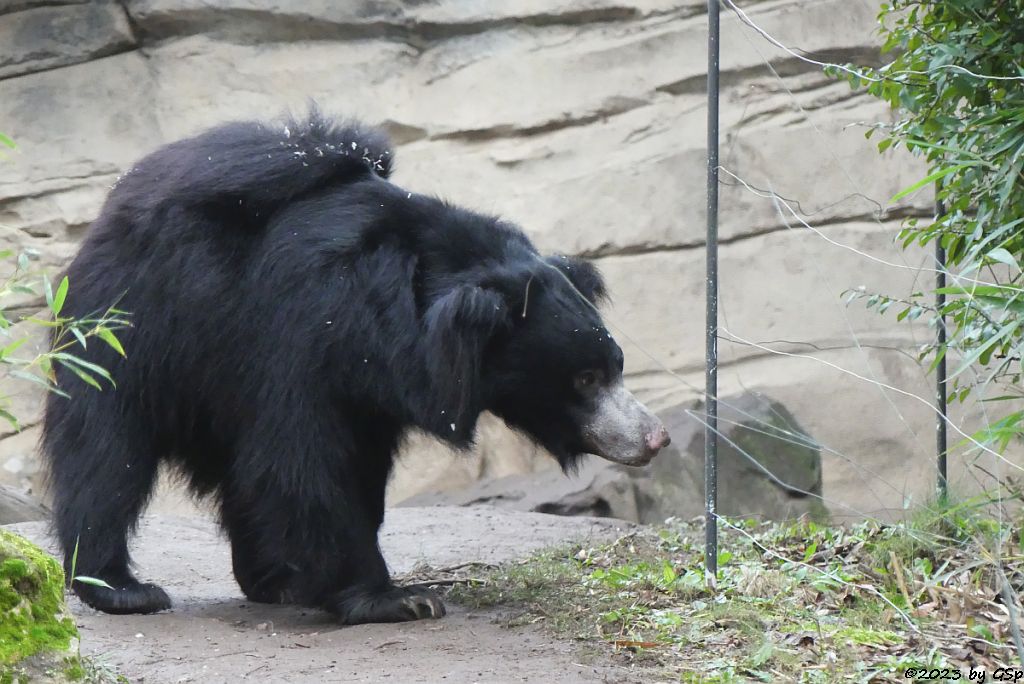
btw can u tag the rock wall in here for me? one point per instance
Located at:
(582, 120)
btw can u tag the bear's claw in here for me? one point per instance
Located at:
(392, 604)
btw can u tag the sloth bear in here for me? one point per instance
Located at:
(294, 314)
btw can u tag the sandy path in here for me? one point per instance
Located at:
(214, 635)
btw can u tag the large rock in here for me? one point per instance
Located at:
(772, 292)
(256, 20)
(16, 507)
(583, 120)
(36, 632)
(49, 37)
(768, 468)
(622, 205)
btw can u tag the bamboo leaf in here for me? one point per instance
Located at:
(928, 180)
(93, 581)
(981, 350)
(85, 377)
(108, 336)
(9, 417)
(79, 336)
(25, 375)
(66, 359)
(6, 351)
(1004, 257)
(59, 296)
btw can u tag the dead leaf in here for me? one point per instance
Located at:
(628, 643)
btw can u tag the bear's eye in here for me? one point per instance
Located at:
(587, 381)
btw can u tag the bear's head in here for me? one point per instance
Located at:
(527, 343)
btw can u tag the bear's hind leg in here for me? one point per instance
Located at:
(262, 577)
(101, 478)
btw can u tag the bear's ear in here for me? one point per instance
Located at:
(457, 328)
(583, 275)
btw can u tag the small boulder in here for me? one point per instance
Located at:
(16, 507)
(38, 637)
(768, 468)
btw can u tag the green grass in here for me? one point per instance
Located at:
(792, 602)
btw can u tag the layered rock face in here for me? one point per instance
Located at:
(581, 120)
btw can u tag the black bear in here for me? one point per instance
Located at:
(294, 314)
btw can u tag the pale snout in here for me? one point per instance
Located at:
(623, 430)
(658, 439)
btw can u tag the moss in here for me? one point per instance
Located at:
(32, 617)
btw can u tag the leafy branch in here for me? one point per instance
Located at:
(67, 334)
(966, 119)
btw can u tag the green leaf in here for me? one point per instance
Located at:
(108, 336)
(6, 351)
(1004, 257)
(48, 292)
(85, 377)
(58, 298)
(24, 375)
(976, 291)
(928, 180)
(74, 557)
(43, 322)
(812, 548)
(668, 573)
(92, 580)
(7, 142)
(9, 417)
(987, 346)
(75, 361)
(79, 336)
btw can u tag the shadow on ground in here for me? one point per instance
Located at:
(214, 635)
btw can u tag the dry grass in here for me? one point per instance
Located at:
(793, 602)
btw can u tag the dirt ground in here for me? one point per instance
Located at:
(214, 635)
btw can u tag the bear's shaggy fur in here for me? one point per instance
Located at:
(294, 313)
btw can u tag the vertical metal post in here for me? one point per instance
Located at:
(711, 320)
(940, 370)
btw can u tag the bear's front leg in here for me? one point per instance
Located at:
(357, 605)
(286, 548)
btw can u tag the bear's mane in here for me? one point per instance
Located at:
(255, 168)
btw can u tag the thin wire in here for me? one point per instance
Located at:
(619, 330)
(853, 334)
(779, 352)
(860, 74)
(804, 441)
(917, 269)
(914, 534)
(772, 476)
(924, 401)
(689, 385)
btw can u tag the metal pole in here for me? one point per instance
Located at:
(711, 320)
(940, 370)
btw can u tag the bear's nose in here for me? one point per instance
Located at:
(658, 439)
